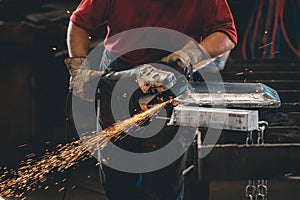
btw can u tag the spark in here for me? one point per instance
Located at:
(22, 145)
(61, 189)
(14, 183)
(261, 47)
(239, 73)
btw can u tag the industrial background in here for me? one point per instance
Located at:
(34, 87)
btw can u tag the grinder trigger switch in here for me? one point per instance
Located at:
(150, 77)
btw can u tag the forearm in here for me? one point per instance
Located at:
(78, 41)
(217, 43)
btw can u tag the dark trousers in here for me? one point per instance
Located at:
(163, 184)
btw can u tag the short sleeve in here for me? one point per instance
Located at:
(91, 14)
(218, 18)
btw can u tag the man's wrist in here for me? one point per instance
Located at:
(74, 60)
(75, 63)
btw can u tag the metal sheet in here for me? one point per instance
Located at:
(236, 95)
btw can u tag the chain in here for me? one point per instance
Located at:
(249, 139)
(250, 191)
(262, 190)
(257, 190)
(261, 131)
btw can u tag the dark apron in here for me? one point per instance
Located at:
(163, 184)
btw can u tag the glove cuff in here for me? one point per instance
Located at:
(195, 52)
(75, 63)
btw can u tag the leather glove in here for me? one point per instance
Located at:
(81, 78)
(189, 55)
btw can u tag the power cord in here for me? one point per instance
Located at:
(66, 137)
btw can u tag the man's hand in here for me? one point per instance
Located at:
(191, 54)
(81, 77)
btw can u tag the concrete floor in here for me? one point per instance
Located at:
(83, 183)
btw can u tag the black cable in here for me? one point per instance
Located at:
(66, 138)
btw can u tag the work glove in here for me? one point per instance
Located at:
(184, 58)
(81, 77)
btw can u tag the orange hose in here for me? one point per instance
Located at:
(244, 44)
(268, 22)
(258, 18)
(275, 26)
(284, 33)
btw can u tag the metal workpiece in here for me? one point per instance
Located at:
(235, 95)
(217, 118)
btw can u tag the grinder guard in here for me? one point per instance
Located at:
(145, 74)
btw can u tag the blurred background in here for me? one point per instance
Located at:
(34, 79)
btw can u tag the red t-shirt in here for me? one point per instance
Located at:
(194, 18)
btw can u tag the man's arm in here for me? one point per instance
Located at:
(192, 53)
(217, 43)
(217, 30)
(81, 75)
(78, 40)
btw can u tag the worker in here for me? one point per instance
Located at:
(210, 26)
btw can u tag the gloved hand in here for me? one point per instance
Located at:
(189, 55)
(81, 77)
